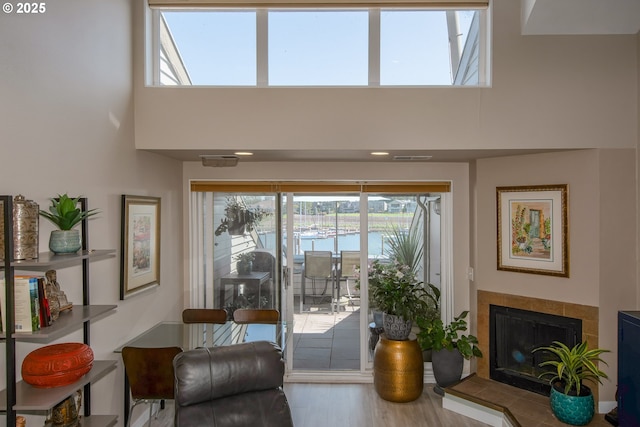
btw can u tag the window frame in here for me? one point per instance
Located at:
(153, 47)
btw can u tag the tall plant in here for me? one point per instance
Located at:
(406, 247)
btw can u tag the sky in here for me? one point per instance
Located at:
(314, 48)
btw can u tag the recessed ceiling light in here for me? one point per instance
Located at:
(379, 153)
(243, 153)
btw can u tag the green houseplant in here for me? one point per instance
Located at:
(239, 218)
(245, 262)
(406, 247)
(395, 290)
(449, 347)
(571, 401)
(65, 214)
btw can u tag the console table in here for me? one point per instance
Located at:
(253, 281)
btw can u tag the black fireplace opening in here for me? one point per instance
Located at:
(515, 333)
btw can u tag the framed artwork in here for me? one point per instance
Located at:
(140, 251)
(533, 229)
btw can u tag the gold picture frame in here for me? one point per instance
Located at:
(533, 229)
(140, 250)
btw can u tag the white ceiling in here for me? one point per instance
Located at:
(548, 17)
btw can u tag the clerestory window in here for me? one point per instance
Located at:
(320, 47)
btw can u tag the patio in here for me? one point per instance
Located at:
(323, 340)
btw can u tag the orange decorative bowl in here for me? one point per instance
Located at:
(57, 365)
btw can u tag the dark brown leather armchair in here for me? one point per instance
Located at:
(231, 386)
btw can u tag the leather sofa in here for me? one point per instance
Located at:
(237, 385)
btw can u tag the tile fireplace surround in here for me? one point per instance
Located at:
(588, 315)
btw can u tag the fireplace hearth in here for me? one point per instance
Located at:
(514, 333)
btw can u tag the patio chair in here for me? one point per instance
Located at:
(149, 372)
(264, 260)
(318, 266)
(349, 262)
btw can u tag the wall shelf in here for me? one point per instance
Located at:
(68, 321)
(18, 396)
(49, 260)
(31, 399)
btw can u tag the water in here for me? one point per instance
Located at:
(346, 242)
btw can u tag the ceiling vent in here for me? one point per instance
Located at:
(412, 158)
(219, 161)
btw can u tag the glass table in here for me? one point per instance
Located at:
(194, 335)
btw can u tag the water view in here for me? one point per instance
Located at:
(346, 242)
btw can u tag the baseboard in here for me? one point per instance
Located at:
(606, 406)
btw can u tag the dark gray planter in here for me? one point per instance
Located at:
(447, 368)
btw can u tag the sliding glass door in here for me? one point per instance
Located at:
(307, 254)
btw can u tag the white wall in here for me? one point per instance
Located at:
(66, 125)
(548, 92)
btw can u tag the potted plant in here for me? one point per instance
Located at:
(428, 314)
(65, 214)
(406, 247)
(571, 401)
(239, 218)
(449, 348)
(245, 262)
(395, 290)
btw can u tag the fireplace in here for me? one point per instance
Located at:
(514, 333)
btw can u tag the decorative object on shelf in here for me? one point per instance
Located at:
(449, 348)
(395, 290)
(21, 421)
(140, 263)
(66, 413)
(57, 364)
(57, 298)
(239, 218)
(571, 401)
(533, 229)
(25, 228)
(65, 214)
(398, 369)
(245, 262)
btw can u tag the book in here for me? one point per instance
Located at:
(3, 308)
(45, 312)
(26, 305)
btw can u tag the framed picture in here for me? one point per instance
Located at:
(533, 229)
(140, 251)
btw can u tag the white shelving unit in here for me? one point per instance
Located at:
(18, 396)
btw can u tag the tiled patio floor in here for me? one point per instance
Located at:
(327, 341)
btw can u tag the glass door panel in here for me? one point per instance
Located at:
(325, 239)
(406, 229)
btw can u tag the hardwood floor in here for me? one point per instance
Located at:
(355, 405)
(350, 405)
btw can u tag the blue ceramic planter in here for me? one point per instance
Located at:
(65, 241)
(574, 410)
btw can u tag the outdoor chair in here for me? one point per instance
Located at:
(265, 261)
(149, 372)
(318, 266)
(349, 262)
